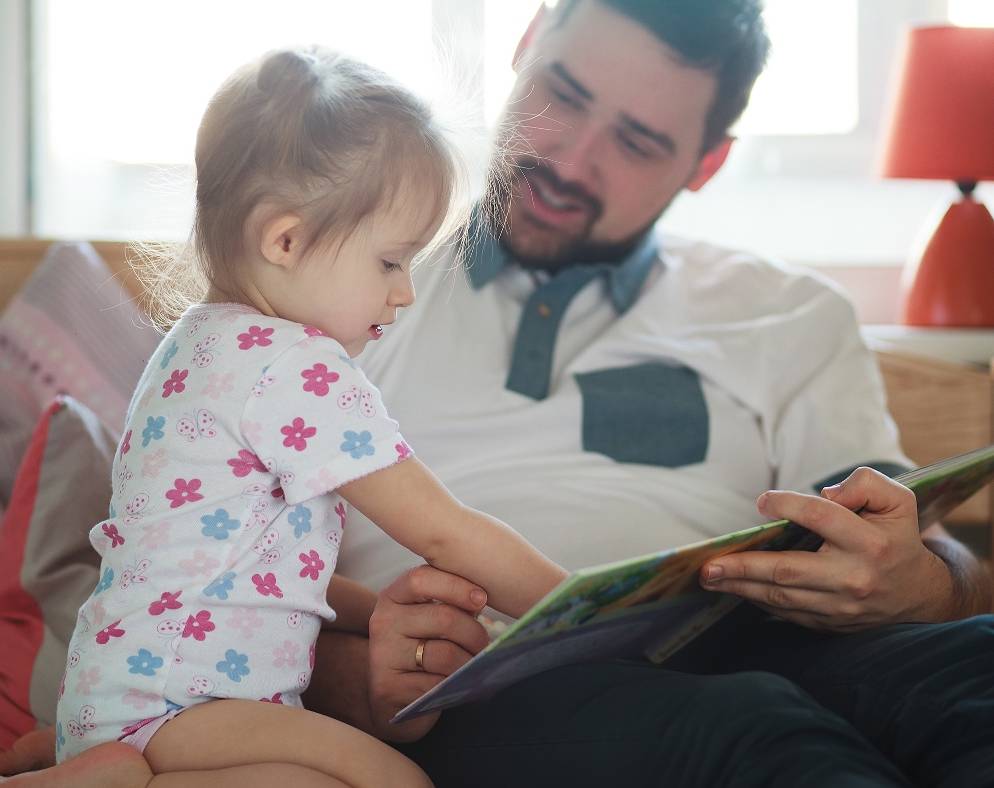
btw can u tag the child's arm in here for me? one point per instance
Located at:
(353, 604)
(415, 509)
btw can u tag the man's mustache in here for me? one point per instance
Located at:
(535, 170)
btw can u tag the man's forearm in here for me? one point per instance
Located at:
(340, 682)
(972, 585)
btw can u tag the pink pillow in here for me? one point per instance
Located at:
(72, 329)
(47, 566)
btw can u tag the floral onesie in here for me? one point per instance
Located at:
(223, 529)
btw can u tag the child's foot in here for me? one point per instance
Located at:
(111, 765)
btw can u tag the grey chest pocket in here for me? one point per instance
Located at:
(653, 413)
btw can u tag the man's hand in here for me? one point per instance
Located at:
(423, 604)
(872, 569)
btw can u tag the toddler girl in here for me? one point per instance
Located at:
(318, 181)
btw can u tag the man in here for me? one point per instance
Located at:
(610, 392)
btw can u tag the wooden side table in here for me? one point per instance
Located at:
(940, 391)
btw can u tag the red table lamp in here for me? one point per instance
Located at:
(942, 128)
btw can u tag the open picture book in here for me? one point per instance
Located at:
(654, 604)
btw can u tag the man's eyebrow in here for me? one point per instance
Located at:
(662, 139)
(560, 71)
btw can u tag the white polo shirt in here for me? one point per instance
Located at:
(683, 382)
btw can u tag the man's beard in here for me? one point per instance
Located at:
(533, 244)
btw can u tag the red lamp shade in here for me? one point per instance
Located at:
(942, 127)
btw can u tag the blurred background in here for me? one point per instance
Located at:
(100, 100)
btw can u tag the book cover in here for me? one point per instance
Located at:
(653, 603)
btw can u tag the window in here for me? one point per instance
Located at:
(119, 88)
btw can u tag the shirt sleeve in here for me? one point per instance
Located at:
(321, 422)
(835, 418)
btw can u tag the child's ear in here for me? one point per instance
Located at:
(280, 241)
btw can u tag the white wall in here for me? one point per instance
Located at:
(13, 117)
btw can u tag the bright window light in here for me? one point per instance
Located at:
(971, 13)
(809, 86)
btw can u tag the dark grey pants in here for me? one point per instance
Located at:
(754, 702)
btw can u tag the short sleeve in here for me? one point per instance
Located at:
(316, 421)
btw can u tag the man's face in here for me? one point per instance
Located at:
(603, 128)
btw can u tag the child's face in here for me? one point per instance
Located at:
(353, 291)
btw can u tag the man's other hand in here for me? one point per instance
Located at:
(872, 569)
(423, 604)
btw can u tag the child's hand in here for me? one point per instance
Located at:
(429, 606)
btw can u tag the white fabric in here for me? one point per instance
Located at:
(792, 393)
(223, 531)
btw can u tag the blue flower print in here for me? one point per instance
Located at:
(169, 355)
(218, 524)
(60, 740)
(357, 444)
(220, 586)
(234, 664)
(300, 519)
(105, 581)
(144, 663)
(153, 430)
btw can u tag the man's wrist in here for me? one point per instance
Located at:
(969, 590)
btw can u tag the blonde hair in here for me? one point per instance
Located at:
(306, 130)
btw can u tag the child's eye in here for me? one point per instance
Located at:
(389, 266)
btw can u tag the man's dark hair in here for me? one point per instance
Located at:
(726, 37)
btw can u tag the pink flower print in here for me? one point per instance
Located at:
(112, 631)
(200, 564)
(184, 492)
(255, 336)
(245, 620)
(87, 680)
(197, 626)
(245, 463)
(313, 331)
(323, 482)
(126, 443)
(111, 532)
(403, 451)
(175, 384)
(297, 434)
(286, 655)
(155, 536)
(252, 430)
(153, 463)
(277, 698)
(168, 601)
(312, 564)
(219, 384)
(317, 379)
(138, 699)
(340, 511)
(266, 585)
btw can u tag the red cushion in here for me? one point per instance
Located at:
(21, 624)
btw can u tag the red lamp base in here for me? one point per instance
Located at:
(952, 283)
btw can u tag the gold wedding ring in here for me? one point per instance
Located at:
(419, 655)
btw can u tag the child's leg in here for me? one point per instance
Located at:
(116, 765)
(223, 734)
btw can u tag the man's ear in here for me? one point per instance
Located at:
(710, 163)
(528, 36)
(280, 240)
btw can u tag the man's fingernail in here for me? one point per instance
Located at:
(761, 501)
(714, 572)
(478, 597)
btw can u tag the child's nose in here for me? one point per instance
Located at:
(402, 295)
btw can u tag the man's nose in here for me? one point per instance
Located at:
(580, 153)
